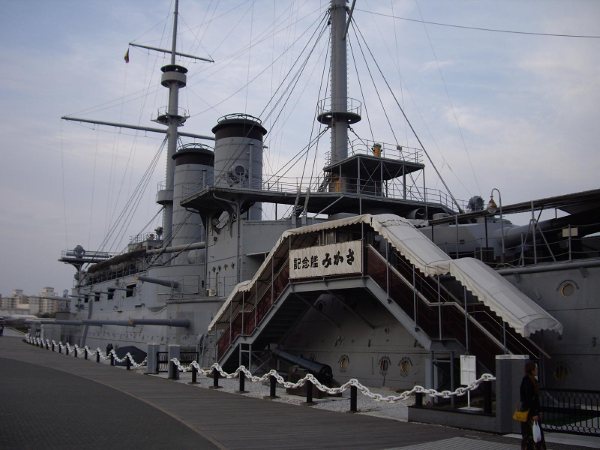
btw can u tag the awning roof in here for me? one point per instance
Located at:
(513, 306)
(411, 243)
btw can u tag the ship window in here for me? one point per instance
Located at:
(96, 296)
(111, 293)
(86, 299)
(567, 288)
(130, 290)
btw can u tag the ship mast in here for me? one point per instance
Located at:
(174, 78)
(335, 112)
(339, 81)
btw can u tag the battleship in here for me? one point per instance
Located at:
(362, 272)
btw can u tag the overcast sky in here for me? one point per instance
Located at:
(512, 111)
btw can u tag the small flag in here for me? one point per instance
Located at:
(126, 57)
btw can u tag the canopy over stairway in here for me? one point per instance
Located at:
(444, 303)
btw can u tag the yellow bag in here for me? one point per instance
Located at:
(520, 416)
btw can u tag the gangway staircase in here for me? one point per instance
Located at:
(459, 305)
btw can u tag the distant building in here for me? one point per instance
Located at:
(47, 302)
(16, 303)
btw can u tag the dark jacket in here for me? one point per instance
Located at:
(530, 399)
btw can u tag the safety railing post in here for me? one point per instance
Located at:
(85, 353)
(53, 346)
(112, 359)
(242, 382)
(272, 387)
(419, 399)
(309, 392)
(353, 399)
(173, 371)
(215, 374)
(194, 375)
(67, 350)
(75, 353)
(97, 356)
(487, 397)
(128, 362)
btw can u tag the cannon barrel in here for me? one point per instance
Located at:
(322, 372)
(169, 283)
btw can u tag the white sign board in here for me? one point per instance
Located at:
(324, 260)
(468, 373)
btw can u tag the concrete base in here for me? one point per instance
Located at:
(509, 372)
(453, 418)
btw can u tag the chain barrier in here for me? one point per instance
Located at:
(353, 382)
(76, 350)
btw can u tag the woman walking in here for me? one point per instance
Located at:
(530, 400)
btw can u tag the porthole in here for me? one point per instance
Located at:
(405, 365)
(344, 361)
(384, 365)
(567, 288)
(561, 371)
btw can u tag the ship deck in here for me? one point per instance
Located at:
(214, 200)
(57, 400)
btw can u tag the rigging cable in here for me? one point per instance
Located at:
(207, 18)
(137, 196)
(323, 82)
(355, 28)
(408, 121)
(132, 150)
(362, 94)
(93, 193)
(397, 64)
(249, 56)
(122, 215)
(492, 30)
(297, 156)
(293, 83)
(236, 55)
(460, 130)
(64, 197)
(166, 244)
(289, 89)
(297, 60)
(176, 254)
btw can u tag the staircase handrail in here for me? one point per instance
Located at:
(455, 304)
(258, 299)
(459, 305)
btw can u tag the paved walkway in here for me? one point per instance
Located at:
(48, 400)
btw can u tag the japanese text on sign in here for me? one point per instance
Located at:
(334, 259)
